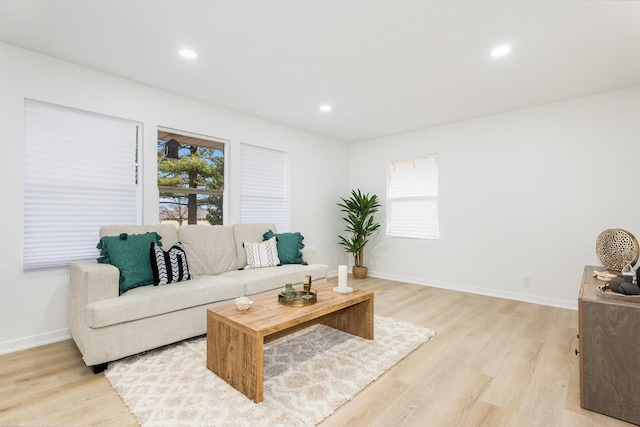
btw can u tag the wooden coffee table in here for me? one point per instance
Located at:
(235, 339)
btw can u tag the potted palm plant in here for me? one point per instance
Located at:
(359, 215)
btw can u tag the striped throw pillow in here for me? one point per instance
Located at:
(169, 266)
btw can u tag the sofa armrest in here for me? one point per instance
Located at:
(309, 254)
(91, 281)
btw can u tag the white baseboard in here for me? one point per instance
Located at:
(34, 341)
(534, 299)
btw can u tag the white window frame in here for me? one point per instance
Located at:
(264, 186)
(412, 198)
(80, 172)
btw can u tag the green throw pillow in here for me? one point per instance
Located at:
(289, 245)
(130, 253)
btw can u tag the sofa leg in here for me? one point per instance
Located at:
(100, 368)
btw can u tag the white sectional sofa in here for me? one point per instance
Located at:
(107, 326)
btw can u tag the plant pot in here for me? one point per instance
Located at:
(359, 272)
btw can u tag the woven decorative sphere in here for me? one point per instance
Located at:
(611, 244)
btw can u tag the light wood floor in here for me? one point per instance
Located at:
(494, 362)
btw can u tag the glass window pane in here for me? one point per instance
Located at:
(190, 179)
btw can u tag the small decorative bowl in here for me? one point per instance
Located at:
(243, 303)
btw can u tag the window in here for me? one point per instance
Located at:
(80, 172)
(264, 186)
(412, 198)
(190, 179)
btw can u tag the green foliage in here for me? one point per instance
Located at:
(202, 169)
(359, 210)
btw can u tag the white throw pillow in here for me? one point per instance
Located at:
(263, 254)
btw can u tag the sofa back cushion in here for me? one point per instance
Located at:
(166, 231)
(252, 233)
(210, 249)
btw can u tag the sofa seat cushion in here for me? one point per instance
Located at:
(148, 301)
(265, 279)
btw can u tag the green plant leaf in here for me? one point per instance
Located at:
(359, 209)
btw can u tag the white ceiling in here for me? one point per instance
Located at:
(386, 66)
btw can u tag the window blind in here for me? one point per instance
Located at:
(79, 174)
(412, 198)
(264, 186)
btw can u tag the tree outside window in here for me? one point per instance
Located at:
(190, 179)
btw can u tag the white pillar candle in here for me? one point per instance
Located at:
(342, 277)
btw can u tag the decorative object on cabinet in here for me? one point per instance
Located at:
(628, 257)
(611, 244)
(605, 276)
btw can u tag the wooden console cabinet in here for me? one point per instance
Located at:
(609, 337)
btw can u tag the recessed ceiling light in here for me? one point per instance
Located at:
(325, 108)
(501, 50)
(188, 53)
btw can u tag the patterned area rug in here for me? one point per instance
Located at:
(307, 376)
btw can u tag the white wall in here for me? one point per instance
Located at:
(521, 193)
(33, 306)
(525, 193)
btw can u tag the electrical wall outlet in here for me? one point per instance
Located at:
(526, 281)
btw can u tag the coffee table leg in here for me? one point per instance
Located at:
(236, 357)
(356, 320)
